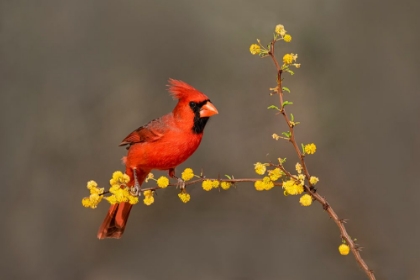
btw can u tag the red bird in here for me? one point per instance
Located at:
(162, 144)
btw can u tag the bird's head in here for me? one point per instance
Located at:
(194, 108)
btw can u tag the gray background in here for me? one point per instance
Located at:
(78, 76)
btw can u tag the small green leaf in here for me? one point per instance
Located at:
(227, 176)
(289, 71)
(286, 89)
(292, 118)
(286, 134)
(273, 107)
(303, 148)
(285, 103)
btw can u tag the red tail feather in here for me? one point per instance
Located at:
(115, 221)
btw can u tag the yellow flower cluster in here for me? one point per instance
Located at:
(305, 200)
(260, 168)
(150, 176)
(119, 189)
(225, 185)
(287, 38)
(298, 168)
(162, 182)
(344, 249)
(275, 174)
(184, 196)
(291, 187)
(289, 58)
(264, 185)
(301, 179)
(118, 178)
(210, 184)
(187, 174)
(310, 149)
(313, 180)
(255, 49)
(280, 30)
(148, 197)
(95, 195)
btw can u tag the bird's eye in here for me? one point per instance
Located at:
(193, 104)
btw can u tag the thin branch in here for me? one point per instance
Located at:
(326, 206)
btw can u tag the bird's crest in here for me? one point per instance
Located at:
(180, 89)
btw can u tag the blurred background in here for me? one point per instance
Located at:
(78, 76)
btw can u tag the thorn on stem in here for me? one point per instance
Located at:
(326, 206)
(344, 221)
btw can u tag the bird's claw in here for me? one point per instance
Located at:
(135, 191)
(181, 183)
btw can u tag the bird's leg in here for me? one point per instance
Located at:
(181, 183)
(135, 190)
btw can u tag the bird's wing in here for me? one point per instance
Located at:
(150, 132)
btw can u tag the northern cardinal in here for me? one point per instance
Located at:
(162, 144)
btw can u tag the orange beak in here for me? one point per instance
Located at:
(208, 110)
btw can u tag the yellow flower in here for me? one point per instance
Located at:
(112, 199)
(297, 65)
(188, 174)
(148, 200)
(117, 175)
(114, 188)
(225, 185)
(275, 174)
(301, 178)
(298, 168)
(148, 197)
(275, 136)
(96, 190)
(125, 178)
(288, 59)
(267, 183)
(207, 185)
(287, 38)
(280, 29)
(344, 249)
(133, 199)
(184, 196)
(94, 200)
(149, 177)
(305, 200)
(254, 49)
(119, 178)
(91, 184)
(290, 187)
(310, 149)
(259, 185)
(122, 195)
(215, 184)
(162, 182)
(260, 168)
(313, 180)
(86, 202)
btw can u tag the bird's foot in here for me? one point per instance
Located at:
(136, 189)
(181, 183)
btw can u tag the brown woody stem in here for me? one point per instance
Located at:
(316, 196)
